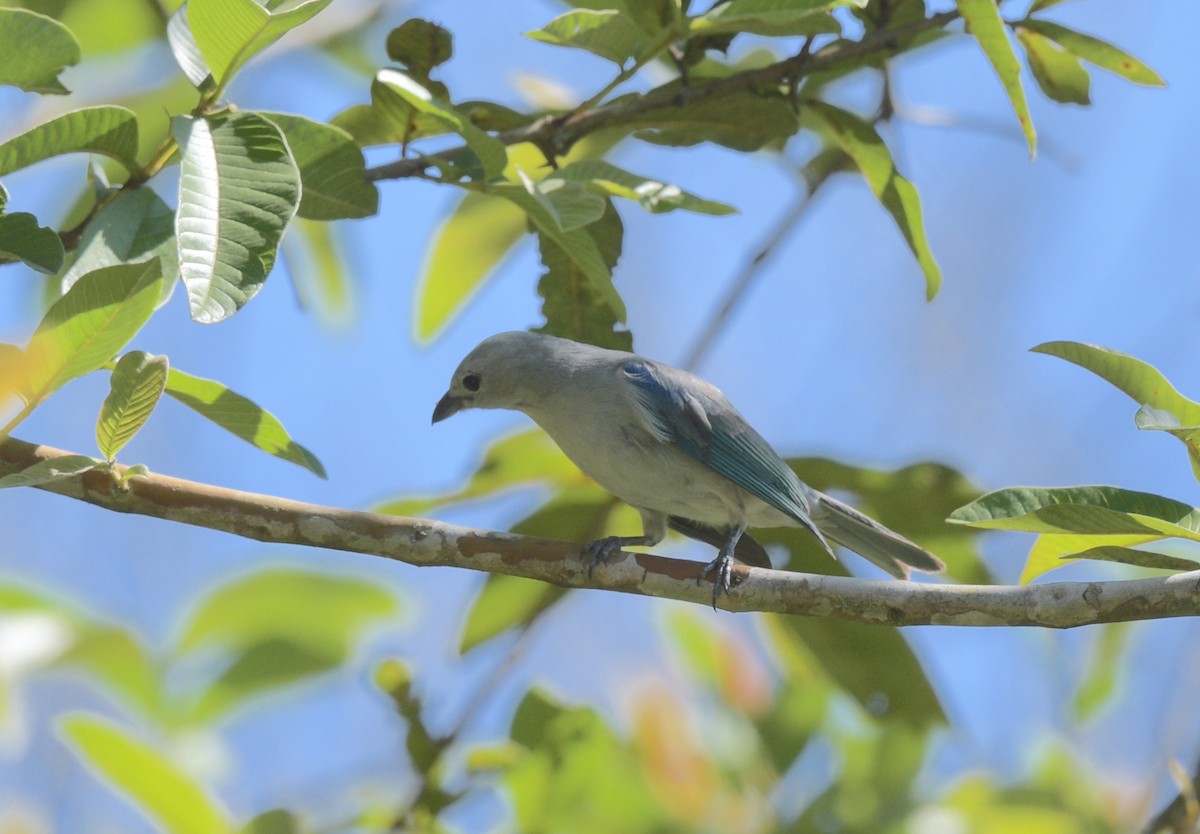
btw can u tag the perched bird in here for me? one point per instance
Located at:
(670, 445)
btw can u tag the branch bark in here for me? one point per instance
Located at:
(560, 133)
(423, 543)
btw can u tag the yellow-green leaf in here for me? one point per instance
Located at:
(137, 382)
(988, 27)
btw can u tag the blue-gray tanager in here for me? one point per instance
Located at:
(669, 444)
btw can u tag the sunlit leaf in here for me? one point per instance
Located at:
(1138, 558)
(48, 471)
(863, 144)
(1092, 510)
(134, 226)
(1162, 407)
(238, 415)
(1095, 51)
(137, 382)
(89, 325)
(467, 248)
(1059, 73)
(107, 130)
(262, 667)
(1104, 673)
(23, 239)
(231, 32)
(490, 150)
(1051, 550)
(184, 48)
(607, 33)
(652, 195)
(504, 602)
(34, 50)
(144, 776)
(771, 17)
(322, 612)
(114, 658)
(333, 184)
(319, 271)
(985, 23)
(238, 189)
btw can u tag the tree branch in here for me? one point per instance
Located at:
(561, 132)
(423, 543)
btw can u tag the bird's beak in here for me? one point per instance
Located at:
(447, 406)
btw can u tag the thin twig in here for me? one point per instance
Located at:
(787, 223)
(561, 134)
(426, 543)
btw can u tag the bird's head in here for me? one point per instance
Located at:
(501, 372)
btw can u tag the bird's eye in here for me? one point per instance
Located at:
(471, 382)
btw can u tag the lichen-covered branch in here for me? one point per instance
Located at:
(423, 542)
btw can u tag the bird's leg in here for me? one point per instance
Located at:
(722, 566)
(654, 529)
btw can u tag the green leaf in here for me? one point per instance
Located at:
(1059, 73)
(985, 23)
(184, 48)
(523, 459)
(1140, 380)
(321, 612)
(107, 130)
(1138, 558)
(134, 226)
(114, 658)
(1051, 550)
(271, 664)
(22, 239)
(419, 45)
(278, 821)
(316, 613)
(771, 17)
(607, 33)
(744, 122)
(238, 189)
(334, 185)
(1162, 407)
(315, 264)
(240, 416)
(578, 246)
(490, 150)
(1093, 510)
(144, 776)
(89, 325)
(34, 49)
(864, 146)
(874, 664)
(570, 204)
(1042, 5)
(467, 248)
(654, 196)
(49, 471)
(1095, 51)
(388, 119)
(571, 305)
(505, 602)
(231, 32)
(1104, 672)
(137, 382)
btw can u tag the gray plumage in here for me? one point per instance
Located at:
(670, 445)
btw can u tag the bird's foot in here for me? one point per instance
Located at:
(599, 551)
(722, 568)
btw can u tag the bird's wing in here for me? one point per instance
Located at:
(697, 419)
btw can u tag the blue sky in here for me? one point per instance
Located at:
(834, 351)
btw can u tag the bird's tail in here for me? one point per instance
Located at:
(870, 539)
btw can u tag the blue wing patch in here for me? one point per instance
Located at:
(697, 419)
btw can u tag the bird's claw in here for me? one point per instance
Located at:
(722, 567)
(599, 551)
